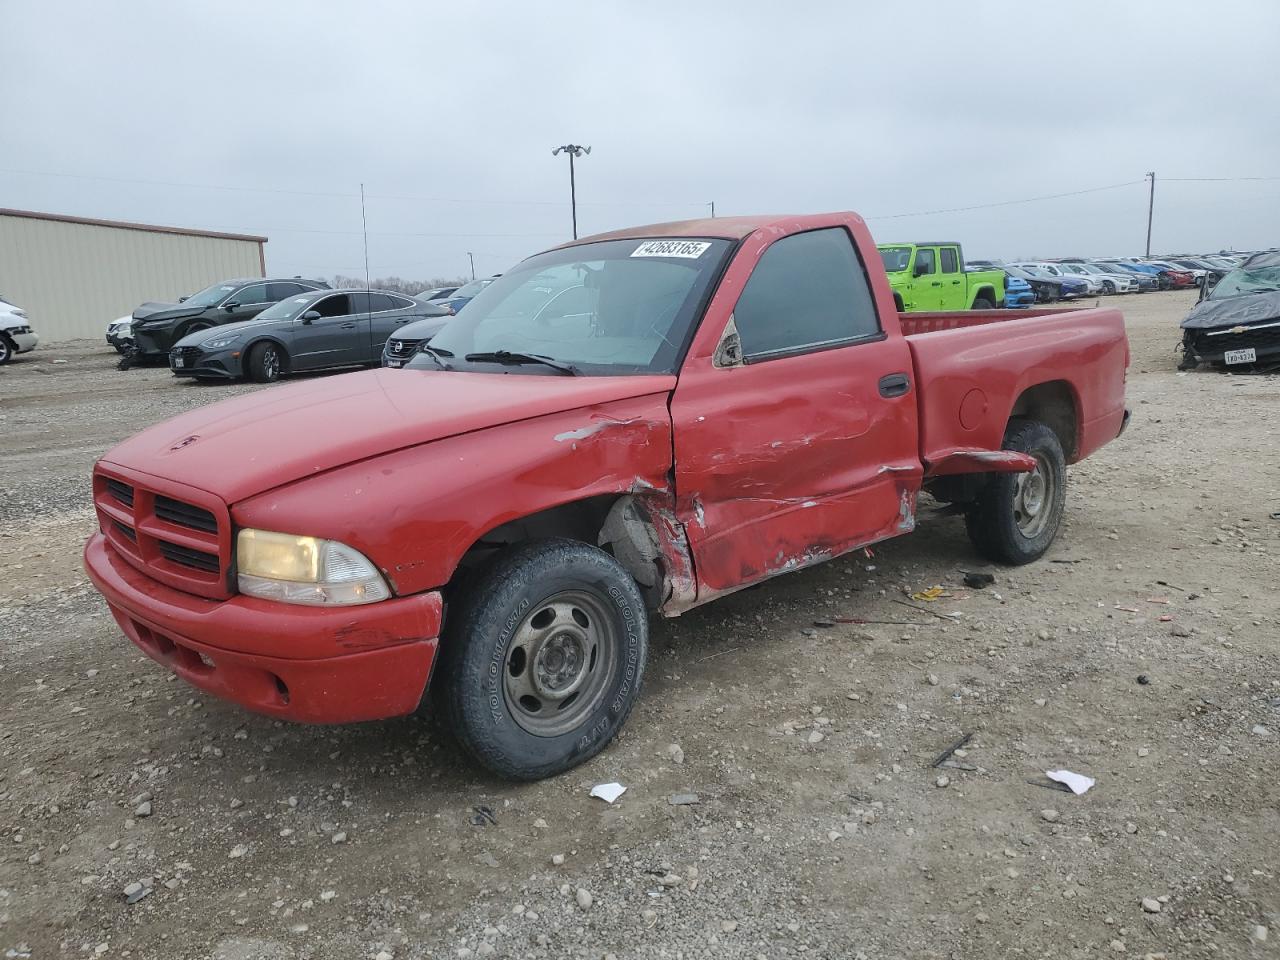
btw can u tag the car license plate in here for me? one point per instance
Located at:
(1241, 356)
(395, 363)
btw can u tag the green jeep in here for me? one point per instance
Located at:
(931, 276)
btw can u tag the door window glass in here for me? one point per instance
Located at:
(254, 293)
(950, 262)
(339, 305)
(808, 290)
(925, 261)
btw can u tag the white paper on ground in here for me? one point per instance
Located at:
(1078, 782)
(609, 792)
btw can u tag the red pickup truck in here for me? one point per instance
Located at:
(639, 421)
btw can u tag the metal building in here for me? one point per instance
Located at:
(73, 275)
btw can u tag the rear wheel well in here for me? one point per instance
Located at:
(1054, 405)
(897, 302)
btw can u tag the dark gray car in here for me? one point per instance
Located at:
(319, 330)
(158, 326)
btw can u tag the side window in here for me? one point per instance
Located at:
(808, 290)
(254, 293)
(339, 305)
(400, 303)
(360, 303)
(950, 261)
(283, 291)
(925, 261)
(384, 301)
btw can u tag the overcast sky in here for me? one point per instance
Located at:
(448, 113)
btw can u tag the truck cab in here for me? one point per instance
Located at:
(931, 276)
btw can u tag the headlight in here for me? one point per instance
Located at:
(217, 343)
(291, 569)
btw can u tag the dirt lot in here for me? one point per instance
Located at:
(1145, 653)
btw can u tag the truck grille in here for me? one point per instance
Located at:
(174, 534)
(186, 515)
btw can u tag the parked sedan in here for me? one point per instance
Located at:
(1091, 285)
(158, 326)
(1179, 276)
(16, 335)
(1111, 282)
(120, 333)
(1047, 286)
(1146, 282)
(318, 330)
(436, 293)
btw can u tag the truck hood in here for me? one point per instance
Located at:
(244, 446)
(165, 311)
(1234, 311)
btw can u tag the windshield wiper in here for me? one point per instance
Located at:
(516, 359)
(435, 354)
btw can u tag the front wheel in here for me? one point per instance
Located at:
(982, 303)
(1017, 515)
(265, 362)
(543, 658)
(1108, 287)
(7, 349)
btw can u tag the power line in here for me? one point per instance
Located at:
(1005, 203)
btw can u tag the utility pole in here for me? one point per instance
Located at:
(573, 150)
(1151, 206)
(713, 209)
(473, 264)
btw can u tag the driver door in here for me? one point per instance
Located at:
(926, 287)
(338, 337)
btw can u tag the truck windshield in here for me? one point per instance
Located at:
(608, 308)
(896, 259)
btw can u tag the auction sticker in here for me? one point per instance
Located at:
(688, 249)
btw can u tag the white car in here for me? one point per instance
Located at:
(1111, 282)
(16, 335)
(1055, 270)
(120, 333)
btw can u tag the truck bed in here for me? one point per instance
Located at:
(975, 369)
(924, 322)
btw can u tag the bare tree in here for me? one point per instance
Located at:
(397, 285)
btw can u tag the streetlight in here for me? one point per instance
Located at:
(573, 150)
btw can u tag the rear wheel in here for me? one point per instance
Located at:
(982, 303)
(543, 657)
(1017, 515)
(265, 362)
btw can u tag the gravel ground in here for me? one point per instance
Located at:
(1142, 652)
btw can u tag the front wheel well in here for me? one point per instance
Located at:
(616, 523)
(1053, 404)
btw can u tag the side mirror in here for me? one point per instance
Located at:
(920, 270)
(230, 305)
(182, 299)
(310, 315)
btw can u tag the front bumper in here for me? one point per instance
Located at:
(307, 664)
(25, 342)
(1212, 346)
(155, 342)
(195, 362)
(1024, 299)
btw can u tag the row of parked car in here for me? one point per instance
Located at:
(1048, 281)
(262, 328)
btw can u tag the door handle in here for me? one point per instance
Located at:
(348, 326)
(894, 385)
(936, 283)
(953, 282)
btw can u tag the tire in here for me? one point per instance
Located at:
(508, 681)
(1017, 515)
(1108, 287)
(7, 349)
(982, 303)
(266, 361)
